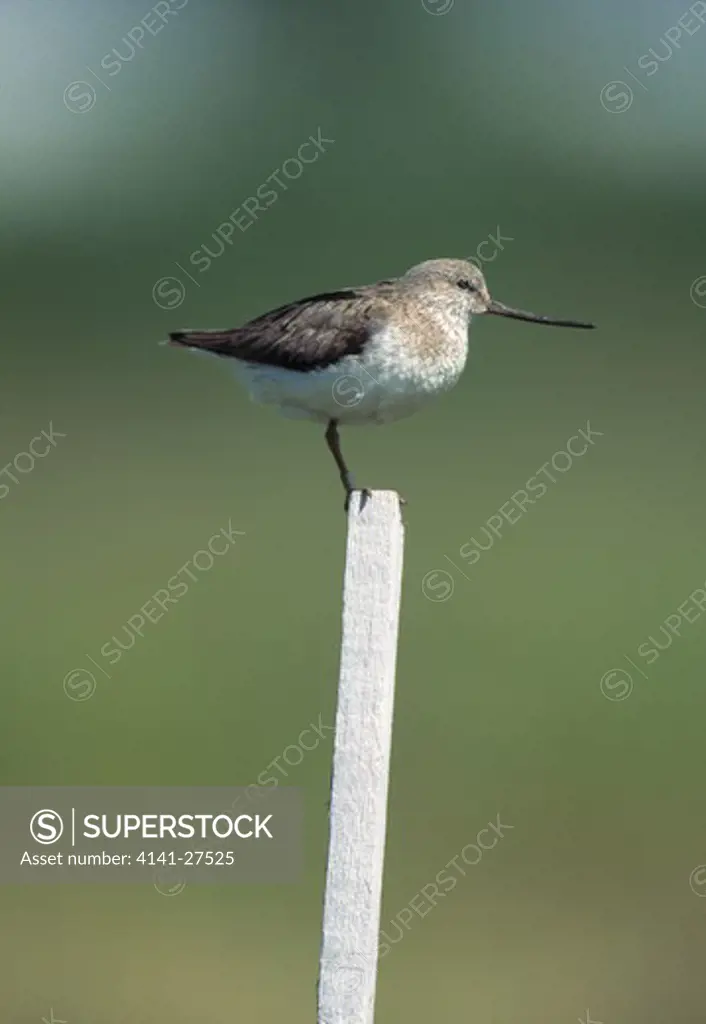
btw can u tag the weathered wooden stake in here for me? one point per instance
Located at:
(361, 760)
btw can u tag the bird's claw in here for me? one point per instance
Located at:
(365, 494)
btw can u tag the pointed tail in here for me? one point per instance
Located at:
(207, 341)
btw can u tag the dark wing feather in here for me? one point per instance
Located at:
(309, 334)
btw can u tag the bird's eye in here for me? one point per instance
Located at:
(468, 285)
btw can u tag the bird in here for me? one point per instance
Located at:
(361, 355)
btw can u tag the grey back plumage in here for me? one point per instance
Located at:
(305, 335)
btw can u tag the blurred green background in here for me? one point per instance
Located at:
(449, 123)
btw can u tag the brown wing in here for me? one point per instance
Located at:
(306, 335)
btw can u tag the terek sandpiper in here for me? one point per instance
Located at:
(361, 355)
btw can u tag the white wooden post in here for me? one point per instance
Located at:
(361, 760)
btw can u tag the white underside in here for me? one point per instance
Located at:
(390, 381)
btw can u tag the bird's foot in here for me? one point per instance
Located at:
(365, 494)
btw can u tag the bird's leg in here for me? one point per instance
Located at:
(334, 446)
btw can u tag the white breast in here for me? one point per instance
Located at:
(390, 380)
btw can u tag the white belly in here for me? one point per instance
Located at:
(390, 381)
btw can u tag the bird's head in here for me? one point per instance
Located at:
(462, 284)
